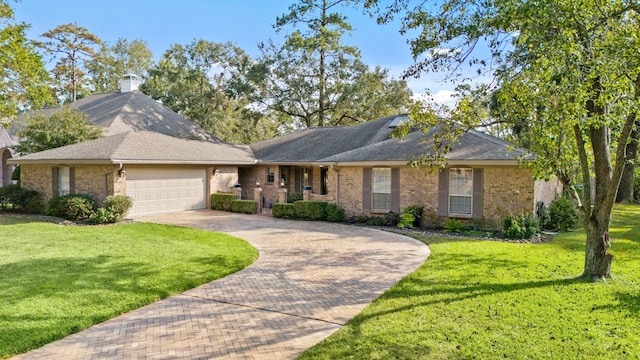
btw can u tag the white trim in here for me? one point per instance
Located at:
(449, 193)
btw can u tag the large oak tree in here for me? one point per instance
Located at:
(571, 67)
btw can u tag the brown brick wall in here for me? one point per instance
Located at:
(507, 190)
(98, 181)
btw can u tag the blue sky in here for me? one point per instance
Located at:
(244, 22)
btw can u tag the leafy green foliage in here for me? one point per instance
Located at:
(63, 127)
(406, 221)
(17, 198)
(24, 82)
(454, 225)
(315, 79)
(213, 85)
(310, 210)
(283, 211)
(77, 207)
(112, 61)
(562, 214)
(244, 206)
(335, 213)
(294, 196)
(564, 72)
(114, 210)
(222, 201)
(521, 226)
(60, 280)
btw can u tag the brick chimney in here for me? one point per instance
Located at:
(129, 83)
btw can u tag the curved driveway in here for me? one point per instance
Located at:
(309, 280)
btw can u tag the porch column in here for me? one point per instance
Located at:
(282, 195)
(257, 196)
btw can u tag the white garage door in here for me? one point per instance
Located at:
(158, 190)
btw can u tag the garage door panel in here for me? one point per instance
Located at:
(156, 190)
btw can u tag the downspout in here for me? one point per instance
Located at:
(337, 185)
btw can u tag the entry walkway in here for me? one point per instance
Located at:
(309, 280)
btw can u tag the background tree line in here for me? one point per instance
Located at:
(312, 79)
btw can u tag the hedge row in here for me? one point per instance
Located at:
(222, 201)
(244, 206)
(309, 210)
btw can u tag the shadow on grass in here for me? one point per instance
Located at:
(42, 300)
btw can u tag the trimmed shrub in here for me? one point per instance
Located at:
(522, 226)
(7, 194)
(283, 211)
(454, 225)
(311, 210)
(21, 199)
(244, 206)
(115, 209)
(72, 207)
(292, 197)
(562, 215)
(222, 201)
(335, 213)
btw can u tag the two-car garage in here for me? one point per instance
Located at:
(166, 189)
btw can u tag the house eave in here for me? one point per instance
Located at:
(16, 161)
(406, 163)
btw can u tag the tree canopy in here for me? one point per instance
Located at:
(63, 127)
(75, 46)
(314, 79)
(24, 81)
(111, 62)
(570, 68)
(211, 84)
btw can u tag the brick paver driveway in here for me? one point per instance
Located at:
(308, 281)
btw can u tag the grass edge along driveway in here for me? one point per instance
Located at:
(56, 280)
(493, 300)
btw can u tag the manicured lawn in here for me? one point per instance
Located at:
(492, 300)
(56, 280)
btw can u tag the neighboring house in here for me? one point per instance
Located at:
(364, 170)
(166, 163)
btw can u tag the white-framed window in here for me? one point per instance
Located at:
(461, 191)
(381, 189)
(64, 180)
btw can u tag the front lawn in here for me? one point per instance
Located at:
(488, 300)
(56, 280)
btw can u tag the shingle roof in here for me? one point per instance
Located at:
(132, 111)
(144, 147)
(372, 141)
(313, 144)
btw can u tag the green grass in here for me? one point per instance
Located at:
(475, 299)
(56, 280)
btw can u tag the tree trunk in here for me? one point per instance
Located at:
(625, 189)
(597, 262)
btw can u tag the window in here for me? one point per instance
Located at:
(63, 180)
(381, 189)
(271, 176)
(460, 191)
(324, 181)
